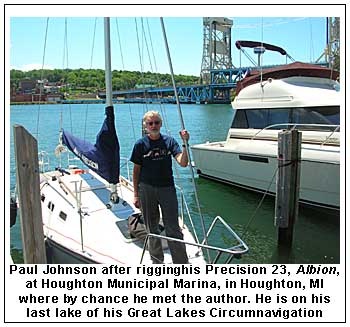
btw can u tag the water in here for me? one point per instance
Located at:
(316, 234)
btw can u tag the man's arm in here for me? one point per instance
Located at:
(135, 180)
(182, 158)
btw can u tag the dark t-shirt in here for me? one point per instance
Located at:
(154, 157)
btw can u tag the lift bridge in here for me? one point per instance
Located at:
(223, 81)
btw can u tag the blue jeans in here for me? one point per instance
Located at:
(165, 197)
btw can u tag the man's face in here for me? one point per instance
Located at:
(153, 125)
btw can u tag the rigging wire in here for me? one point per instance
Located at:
(42, 76)
(259, 205)
(141, 64)
(123, 66)
(151, 43)
(91, 61)
(161, 105)
(146, 43)
(65, 56)
(261, 55)
(186, 143)
(311, 42)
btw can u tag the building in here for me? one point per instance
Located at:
(27, 85)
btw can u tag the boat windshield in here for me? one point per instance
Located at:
(316, 118)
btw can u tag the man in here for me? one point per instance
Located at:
(154, 185)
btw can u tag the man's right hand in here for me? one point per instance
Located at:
(137, 202)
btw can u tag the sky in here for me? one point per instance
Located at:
(303, 37)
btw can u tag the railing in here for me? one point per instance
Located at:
(44, 161)
(292, 126)
(235, 251)
(329, 136)
(184, 208)
(127, 166)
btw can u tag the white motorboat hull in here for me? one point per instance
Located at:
(252, 164)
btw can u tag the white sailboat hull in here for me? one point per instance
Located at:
(100, 234)
(252, 164)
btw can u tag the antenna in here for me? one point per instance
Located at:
(259, 51)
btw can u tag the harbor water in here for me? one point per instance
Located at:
(316, 233)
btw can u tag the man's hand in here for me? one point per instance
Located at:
(136, 202)
(184, 135)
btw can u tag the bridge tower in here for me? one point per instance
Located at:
(216, 45)
(332, 51)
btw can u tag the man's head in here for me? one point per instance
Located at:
(153, 122)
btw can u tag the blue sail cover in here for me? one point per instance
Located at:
(103, 157)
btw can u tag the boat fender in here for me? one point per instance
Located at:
(13, 211)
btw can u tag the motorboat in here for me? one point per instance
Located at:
(293, 96)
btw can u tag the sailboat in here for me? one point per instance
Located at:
(86, 212)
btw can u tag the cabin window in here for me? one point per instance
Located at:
(261, 118)
(240, 119)
(317, 115)
(51, 206)
(63, 215)
(42, 197)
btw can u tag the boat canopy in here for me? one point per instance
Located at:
(102, 157)
(253, 44)
(294, 69)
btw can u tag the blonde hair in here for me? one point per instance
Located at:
(150, 114)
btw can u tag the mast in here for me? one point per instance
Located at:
(108, 65)
(114, 198)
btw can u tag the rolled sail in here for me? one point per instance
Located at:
(103, 157)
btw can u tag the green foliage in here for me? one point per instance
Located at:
(95, 79)
(17, 255)
(337, 62)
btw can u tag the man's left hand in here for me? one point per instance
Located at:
(184, 135)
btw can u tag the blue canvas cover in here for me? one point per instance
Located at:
(103, 157)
